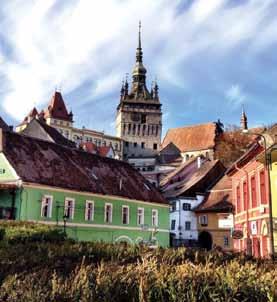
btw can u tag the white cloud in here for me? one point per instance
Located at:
(94, 42)
(235, 95)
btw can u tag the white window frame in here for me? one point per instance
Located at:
(72, 208)
(128, 214)
(157, 217)
(86, 210)
(111, 215)
(49, 210)
(142, 216)
(203, 220)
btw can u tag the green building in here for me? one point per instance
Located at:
(91, 197)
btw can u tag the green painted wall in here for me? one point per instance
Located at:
(31, 210)
(28, 207)
(6, 171)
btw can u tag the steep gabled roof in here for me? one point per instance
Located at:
(41, 162)
(219, 198)
(39, 129)
(57, 109)
(192, 138)
(197, 180)
(31, 115)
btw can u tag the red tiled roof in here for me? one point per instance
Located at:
(192, 138)
(42, 162)
(32, 114)
(219, 198)
(89, 147)
(57, 108)
(104, 150)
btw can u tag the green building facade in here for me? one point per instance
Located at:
(85, 216)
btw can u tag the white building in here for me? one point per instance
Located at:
(185, 190)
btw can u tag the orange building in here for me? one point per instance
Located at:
(215, 217)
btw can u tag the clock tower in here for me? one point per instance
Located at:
(139, 115)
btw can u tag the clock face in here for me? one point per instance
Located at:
(135, 117)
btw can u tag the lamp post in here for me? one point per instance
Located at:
(267, 166)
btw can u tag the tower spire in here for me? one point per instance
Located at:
(243, 120)
(139, 53)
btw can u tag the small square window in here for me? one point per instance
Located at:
(186, 206)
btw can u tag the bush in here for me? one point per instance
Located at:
(2, 233)
(41, 270)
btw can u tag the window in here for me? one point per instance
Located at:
(108, 213)
(125, 214)
(226, 241)
(186, 206)
(173, 206)
(134, 129)
(143, 119)
(253, 192)
(173, 224)
(69, 208)
(140, 216)
(238, 199)
(135, 144)
(46, 206)
(142, 145)
(89, 213)
(187, 225)
(155, 146)
(126, 144)
(104, 143)
(245, 196)
(154, 217)
(262, 187)
(203, 220)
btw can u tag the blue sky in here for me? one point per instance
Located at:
(209, 56)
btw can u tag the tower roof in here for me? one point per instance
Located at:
(57, 109)
(139, 92)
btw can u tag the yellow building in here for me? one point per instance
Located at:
(215, 217)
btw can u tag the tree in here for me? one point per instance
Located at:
(231, 145)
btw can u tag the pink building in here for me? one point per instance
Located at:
(251, 201)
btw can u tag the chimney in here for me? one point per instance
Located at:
(199, 162)
(120, 184)
(2, 140)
